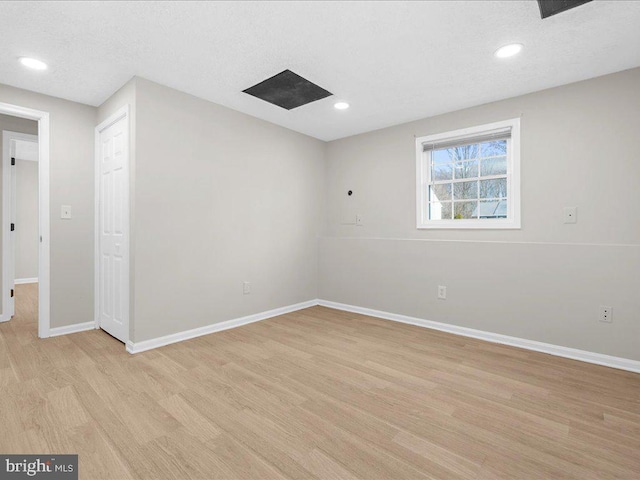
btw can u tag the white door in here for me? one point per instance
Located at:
(11, 307)
(113, 227)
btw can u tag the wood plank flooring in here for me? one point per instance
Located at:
(314, 394)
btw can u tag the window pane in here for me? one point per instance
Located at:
(493, 149)
(464, 152)
(442, 172)
(441, 156)
(465, 210)
(440, 211)
(493, 166)
(465, 190)
(440, 192)
(495, 188)
(466, 169)
(493, 209)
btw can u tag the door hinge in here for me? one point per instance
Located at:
(13, 161)
(13, 227)
(12, 293)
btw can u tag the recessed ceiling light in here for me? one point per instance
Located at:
(341, 105)
(33, 63)
(508, 50)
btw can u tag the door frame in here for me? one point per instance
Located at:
(44, 220)
(121, 113)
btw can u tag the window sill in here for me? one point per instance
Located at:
(469, 225)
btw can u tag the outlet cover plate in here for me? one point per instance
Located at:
(570, 214)
(606, 314)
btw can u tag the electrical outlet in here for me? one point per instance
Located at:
(358, 220)
(606, 314)
(65, 212)
(570, 214)
(442, 292)
(246, 288)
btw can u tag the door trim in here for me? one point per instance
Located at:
(44, 220)
(121, 113)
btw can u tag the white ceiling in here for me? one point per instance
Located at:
(392, 61)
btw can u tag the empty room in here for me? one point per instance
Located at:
(372, 240)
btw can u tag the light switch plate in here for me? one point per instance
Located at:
(570, 214)
(65, 212)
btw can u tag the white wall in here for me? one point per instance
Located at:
(12, 124)
(544, 282)
(71, 183)
(26, 234)
(220, 198)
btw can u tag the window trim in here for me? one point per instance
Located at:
(423, 179)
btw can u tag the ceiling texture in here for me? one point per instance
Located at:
(392, 61)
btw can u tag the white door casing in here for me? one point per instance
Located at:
(44, 260)
(112, 225)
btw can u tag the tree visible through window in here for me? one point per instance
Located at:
(467, 179)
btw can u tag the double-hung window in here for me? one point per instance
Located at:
(470, 178)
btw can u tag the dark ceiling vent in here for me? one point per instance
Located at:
(287, 90)
(551, 7)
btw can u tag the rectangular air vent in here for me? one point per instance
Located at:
(287, 90)
(551, 7)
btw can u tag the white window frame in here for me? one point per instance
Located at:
(423, 179)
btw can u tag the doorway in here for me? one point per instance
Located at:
(26, 155)
(24, 236)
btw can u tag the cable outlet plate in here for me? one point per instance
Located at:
(570, 214)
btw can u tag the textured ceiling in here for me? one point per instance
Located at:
(392, 61)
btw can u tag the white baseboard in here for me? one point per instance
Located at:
(78, 327)
(137, 347)
(582, 355)
(19, 281)
(573, 353)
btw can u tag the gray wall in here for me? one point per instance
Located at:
(71, 183)
(220, 198)
(545, 282)
(26, 235)
(12, 124)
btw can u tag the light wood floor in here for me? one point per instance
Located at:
(314, 394)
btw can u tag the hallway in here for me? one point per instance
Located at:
(24, 324)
